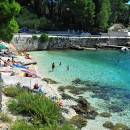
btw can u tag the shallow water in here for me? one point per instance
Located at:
(109, 69)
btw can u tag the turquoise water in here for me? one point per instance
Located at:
(109, 69)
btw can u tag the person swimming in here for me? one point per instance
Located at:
(53, 66)
(60, 64)
(68, 68)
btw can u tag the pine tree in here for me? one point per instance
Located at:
(89, 14)
(120, 11)
(104, 14)
(8, 25)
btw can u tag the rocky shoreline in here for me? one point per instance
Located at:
(84, 108)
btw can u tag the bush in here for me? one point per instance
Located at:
(34, 37)
(22, 125)
(42, 109)
(5, 118)
(56, 127)
(44, 38)
(12, 91)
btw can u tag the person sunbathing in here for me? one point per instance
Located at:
(27, 56)
(5, 64)
(9, 62)
(36, 86)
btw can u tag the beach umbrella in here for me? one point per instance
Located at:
(2, 47)
(5, 44)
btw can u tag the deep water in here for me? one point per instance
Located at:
(105, 73)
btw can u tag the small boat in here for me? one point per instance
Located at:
(124, 49)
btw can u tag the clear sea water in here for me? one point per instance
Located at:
(107, 67)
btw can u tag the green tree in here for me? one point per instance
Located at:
(120, 11)
(79, 14)
(8, 25)
(89, 13)
(104, 15)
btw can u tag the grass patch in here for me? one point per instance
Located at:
(44, 114)
(12, 91)
(39, 107)
(56, 127)
(5, 118)
(22, 125)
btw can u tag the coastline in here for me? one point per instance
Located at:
(68, 102)
(98, 120)
(92, 124)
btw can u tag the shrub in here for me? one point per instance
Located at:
(44, 38)
(22, 125)
(57, 127)
(34, 37)
(42, 109)
(5, 118)
(12, 91)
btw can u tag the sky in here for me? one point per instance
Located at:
(129, 2)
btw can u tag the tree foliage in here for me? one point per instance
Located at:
(85, 15)
(8, 25)
(104, 14)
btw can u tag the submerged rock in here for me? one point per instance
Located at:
(79, 121)
(83, 108)
(86, 83)
(120, 126)
(61, 89)
(108, 124)
(77, 81)
(115, 108)
(105, 114)
(66, 96)
(76, 90)
(73, 89)
(50, 81)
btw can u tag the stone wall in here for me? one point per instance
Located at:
(27, 43)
